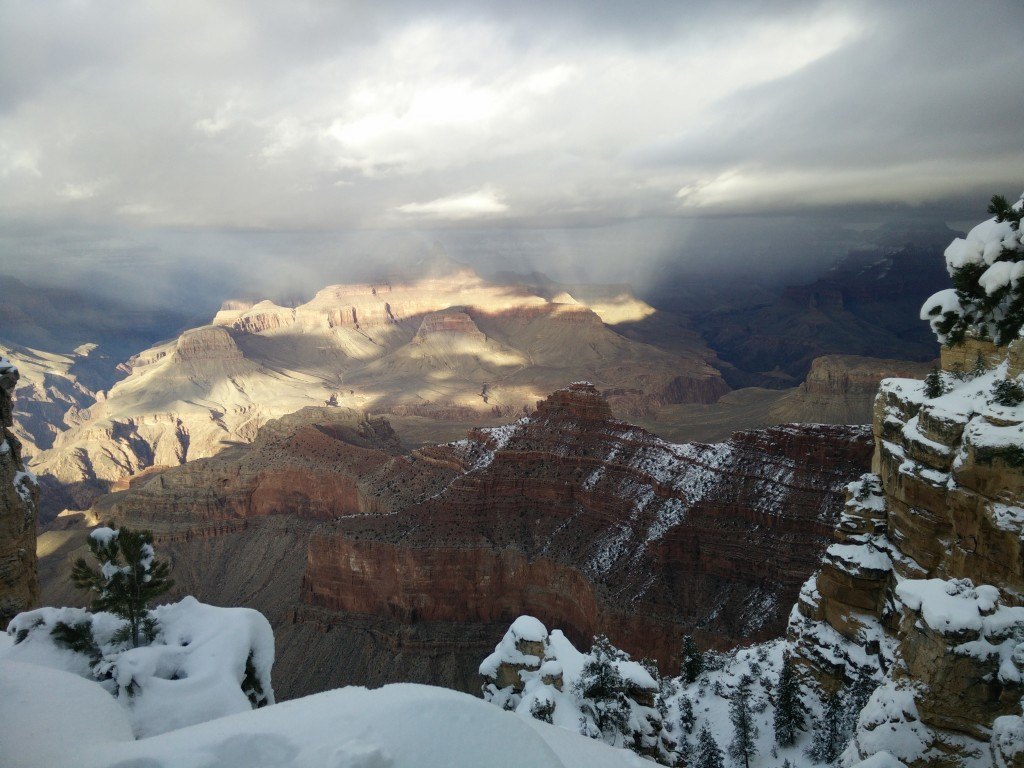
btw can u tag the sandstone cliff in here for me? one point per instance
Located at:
(923, 589)
(838, 389)
(19, 587)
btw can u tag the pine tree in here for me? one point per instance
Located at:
(743, 745)
(124, 588)
(998, 314)
(855, 699)
(979, 367)
(686, 717)
(603, 690)
(933, 385)
(1001, 208)
(709, 755)
(693, 660)
(789, 711)
(1008, 392)
(828, 735)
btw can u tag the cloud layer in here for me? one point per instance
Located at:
(316, 115)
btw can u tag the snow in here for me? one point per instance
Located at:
(395, 726)
(34, 699)
(957, 606)
(913, 434)
(890, 723)
(939, 304)
(1000, 275)
(883, 759)
(860, 557)
(1007, 740)
(23, 482)
(192, 672)
(982, 244)
(103, 535)
(561, 660)
(525, 628)
(529, 628)
(1008, 518)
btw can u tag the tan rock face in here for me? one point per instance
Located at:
(906, 592)
(854, 375)
(452, 349)
(19, 587)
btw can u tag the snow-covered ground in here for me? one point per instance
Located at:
(392, 727)
(182, 697)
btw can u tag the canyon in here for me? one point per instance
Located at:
(375, 564)
(439, 354)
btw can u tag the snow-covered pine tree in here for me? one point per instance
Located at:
(708, 754)
(986, 306)
(828, 733)
(692, 661)
(745, 732)
(686, 716)
(933, 384)
(603, 691)
(854, 701)
(789, 710)
(1008, 392)
(128, 578)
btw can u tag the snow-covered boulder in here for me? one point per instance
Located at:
(543, 675)
(206, 662)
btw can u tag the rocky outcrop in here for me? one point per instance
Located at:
(923, 588)
(574, 517)
(448, 323)
(19, 587)
(845, 375)
(207, 343)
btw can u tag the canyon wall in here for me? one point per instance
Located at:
(924, 589)
(376, 565)
(576, 518)
(19, 586)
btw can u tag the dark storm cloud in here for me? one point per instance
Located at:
(161, 125)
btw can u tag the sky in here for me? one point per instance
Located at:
(146, 142)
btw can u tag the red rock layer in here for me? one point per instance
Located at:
(596, 525)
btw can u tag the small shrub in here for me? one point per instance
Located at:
(543, 709)
(1008, 392)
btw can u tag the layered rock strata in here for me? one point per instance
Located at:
(457, 348)
(924, 588)
(572, 516)
(19, 586)
(377, 566)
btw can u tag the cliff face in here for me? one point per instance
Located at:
(574, 517)
(19, 587)
(375, 566)
(923, 589)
